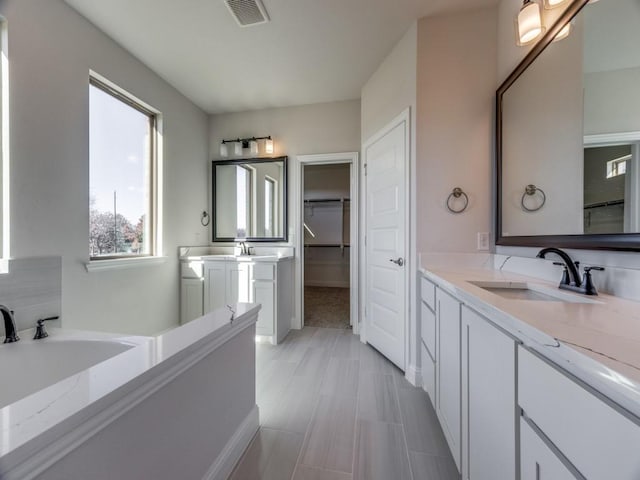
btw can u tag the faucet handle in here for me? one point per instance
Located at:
(589, 287)
(565, 273)
(40, 330)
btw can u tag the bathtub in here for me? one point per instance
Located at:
(80, 405)
(29, 366)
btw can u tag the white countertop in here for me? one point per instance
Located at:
(597, 342)
(236, 258)
(44, 417)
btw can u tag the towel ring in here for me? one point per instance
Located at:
(457, 193)
(205, 219)
(531, 190)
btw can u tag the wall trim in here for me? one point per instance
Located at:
(92, 421)
(414, 375)
(234, 449)
(611, 138)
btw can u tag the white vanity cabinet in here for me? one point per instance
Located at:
(191, 291)
(448, 364)
(489, 410)
(267, 282)
(537, 460)
(428, 338)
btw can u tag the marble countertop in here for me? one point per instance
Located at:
(48, 416)
(598, 342)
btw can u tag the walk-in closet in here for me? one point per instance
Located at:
(327, 240)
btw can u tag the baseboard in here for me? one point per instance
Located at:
(414, 376)
(232, 452)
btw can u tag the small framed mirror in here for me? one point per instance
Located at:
(249, 200)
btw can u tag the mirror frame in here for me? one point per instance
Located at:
(285, 205)
(610, 241)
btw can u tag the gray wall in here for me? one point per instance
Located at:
(51, 51)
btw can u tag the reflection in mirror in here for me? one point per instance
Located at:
(249, 199)
(571, 126)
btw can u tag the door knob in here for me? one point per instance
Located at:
(399, 261)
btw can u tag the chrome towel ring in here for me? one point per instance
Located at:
(530, 191)
(455, 194)
(205, 219)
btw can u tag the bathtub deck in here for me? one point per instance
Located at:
(332, 408)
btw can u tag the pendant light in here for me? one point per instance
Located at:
(529, 22)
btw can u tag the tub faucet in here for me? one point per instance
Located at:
(9, 325)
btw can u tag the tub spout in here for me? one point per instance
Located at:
(9, 325)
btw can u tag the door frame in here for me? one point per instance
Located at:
(351, 158)
(412, 372)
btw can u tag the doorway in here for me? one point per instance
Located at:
(328, 258)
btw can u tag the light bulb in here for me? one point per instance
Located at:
(529, 22)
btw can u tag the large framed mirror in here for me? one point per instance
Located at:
(249, 200)
(568, 134)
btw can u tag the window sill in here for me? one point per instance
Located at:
(122, 263)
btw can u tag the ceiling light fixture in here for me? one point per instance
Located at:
(529, 22)
(239, 144)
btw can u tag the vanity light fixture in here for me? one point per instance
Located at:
(268, 146)
(239, 144)
(564, 33)
(529, 22)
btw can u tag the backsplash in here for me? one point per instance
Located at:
(32, 289)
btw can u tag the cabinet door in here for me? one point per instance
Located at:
(489, 400)
(214, 286)
(448, 371)
(191, 299)
(263, 293)
(238, 282)
(537, 461)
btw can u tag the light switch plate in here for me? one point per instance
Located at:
(483, 241)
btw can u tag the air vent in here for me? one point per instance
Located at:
(247, 12)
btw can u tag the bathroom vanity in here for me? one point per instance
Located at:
(212, 281)
(528, 381)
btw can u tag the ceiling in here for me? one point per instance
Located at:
(312, 51)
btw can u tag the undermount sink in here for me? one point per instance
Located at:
(528, 291)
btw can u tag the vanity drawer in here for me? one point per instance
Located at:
(192, 269)
(264, 271)
(428, 293)
(596, 438)
(428, 329)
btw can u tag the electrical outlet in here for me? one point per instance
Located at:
(483, 241)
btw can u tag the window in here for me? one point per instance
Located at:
(4, 144)
(269, 206)
(617, 166)
(122, 164)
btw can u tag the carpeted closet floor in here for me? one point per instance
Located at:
(326, 307)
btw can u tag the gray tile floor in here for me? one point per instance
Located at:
(332, 408)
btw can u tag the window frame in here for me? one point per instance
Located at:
(154, 117)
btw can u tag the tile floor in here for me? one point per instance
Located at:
(332, 408)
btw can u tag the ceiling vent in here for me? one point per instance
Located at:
(247, 12)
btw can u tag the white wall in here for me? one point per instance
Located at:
(51, 50)
(304, 130)
(612, 102)
(456, 88)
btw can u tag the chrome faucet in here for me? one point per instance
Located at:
(11, 335)
(571, 278)
(244, 249)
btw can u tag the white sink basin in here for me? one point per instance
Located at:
(530, 291)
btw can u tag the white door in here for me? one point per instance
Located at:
(386, 212)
